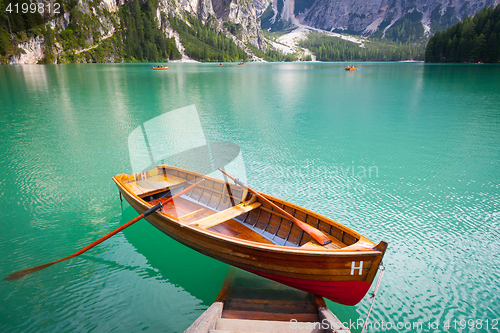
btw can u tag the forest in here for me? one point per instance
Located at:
(408, 29)
(16, 27)
(328, 48)
(142, 39)
(137, 38)
(204, 43)
(474, 39)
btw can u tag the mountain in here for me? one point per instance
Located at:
(135, 30)
(385, 18)
(205, 30)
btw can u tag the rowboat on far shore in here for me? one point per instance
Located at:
(257, 232)
(159, 68)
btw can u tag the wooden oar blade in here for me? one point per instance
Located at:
(319, 236)
(24, 272)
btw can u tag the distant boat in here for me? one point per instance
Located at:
(241, 63)
(254, 231)
(159, 68)
(350, 68)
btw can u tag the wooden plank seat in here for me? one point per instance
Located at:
(225, 215)
(192, 214)
(235, 229)
(180, 207)
(153, 184)
(185, 210)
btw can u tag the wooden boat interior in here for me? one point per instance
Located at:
(228, 209)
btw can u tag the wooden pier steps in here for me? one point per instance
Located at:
(252, 326)
(251, 304)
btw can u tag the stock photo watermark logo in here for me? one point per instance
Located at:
(358, 172)
(353, 178)
(177, 138)
(403, 326)
(327, 325)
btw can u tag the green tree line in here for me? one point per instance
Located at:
(142, 39)
(204, 43)
(474, 39)
(407, 29)
(16, 26)
(137, 38)
(328, 48)
(270, 54)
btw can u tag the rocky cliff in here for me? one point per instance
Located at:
(94, 30)
(365, 18)
(87, 30)
(31, 51)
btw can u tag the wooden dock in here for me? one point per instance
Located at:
(248, 303)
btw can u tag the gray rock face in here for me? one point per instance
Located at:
(242, 12)
(32, 52)
(365, 17)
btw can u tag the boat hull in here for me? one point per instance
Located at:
(295, 270)
(343, 292)
(343, 276)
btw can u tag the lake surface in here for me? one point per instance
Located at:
(404, 152)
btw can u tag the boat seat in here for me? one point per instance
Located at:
(192, 214)
(223, 216)
(153, 184)
(237, 230)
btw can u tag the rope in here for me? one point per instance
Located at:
(374, 294)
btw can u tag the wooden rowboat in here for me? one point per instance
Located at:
(350, 68)
(159, 68)
(222, 220)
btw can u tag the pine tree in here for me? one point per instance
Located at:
(473, 39)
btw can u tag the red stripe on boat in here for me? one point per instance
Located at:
(343, 292)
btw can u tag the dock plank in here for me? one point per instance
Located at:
(253, 304)
(259, 315)
(207, 320)
(278, 306)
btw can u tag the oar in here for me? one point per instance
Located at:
(318, 235)
(20, 274)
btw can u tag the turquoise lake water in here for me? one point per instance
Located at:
(403, 152)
